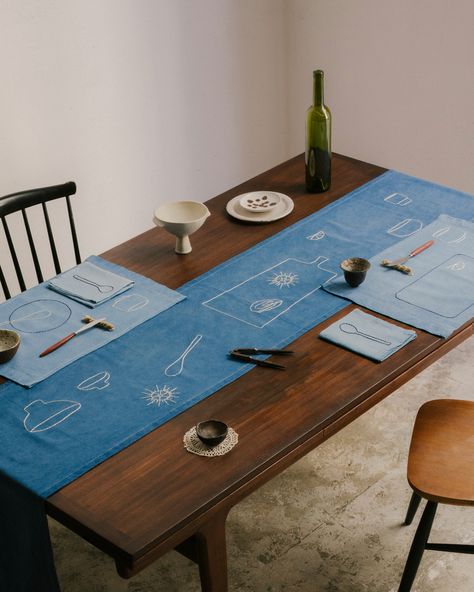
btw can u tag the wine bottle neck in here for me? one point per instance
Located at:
(318, 87)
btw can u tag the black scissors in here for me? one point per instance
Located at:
(245, 355)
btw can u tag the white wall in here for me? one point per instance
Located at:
(144, 101)
(139, 102)
(399, 80)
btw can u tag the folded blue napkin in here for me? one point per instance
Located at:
(367, 335)
(90, 284)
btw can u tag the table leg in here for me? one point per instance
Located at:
(212, 554)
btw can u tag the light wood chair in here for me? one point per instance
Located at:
(440, 470)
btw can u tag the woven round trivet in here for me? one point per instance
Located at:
(193, 444)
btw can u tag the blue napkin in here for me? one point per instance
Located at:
(90, 284)
(367, 335)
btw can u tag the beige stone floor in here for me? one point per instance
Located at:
(330, 523)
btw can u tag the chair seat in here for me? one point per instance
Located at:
(441, 457)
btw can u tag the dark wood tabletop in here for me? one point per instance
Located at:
(155, 496)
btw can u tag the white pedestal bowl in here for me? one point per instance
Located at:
(181, 218)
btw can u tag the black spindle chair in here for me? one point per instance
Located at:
(20, 202)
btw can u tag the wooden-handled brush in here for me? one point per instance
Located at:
(102, 323)
(398, 264)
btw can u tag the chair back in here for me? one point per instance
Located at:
(21, 202)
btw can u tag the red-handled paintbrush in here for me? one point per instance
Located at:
(398, 264)
(64, 340)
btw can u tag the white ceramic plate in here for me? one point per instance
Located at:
(282, 209)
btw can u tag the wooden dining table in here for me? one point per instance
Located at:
(154, 496)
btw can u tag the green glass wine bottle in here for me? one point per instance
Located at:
(318, 140)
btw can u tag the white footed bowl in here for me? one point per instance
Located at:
(181, 218)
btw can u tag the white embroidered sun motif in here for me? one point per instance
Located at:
(159, 395)
(283, 279)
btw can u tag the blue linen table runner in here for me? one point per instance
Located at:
(26, 556)
(439, 296)
(43, 317)
(367, 335)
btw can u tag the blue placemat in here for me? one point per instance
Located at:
(439, 296)
(43, 317)
(367, 335)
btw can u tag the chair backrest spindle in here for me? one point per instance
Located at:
(16, 263)
(52, 244)
(31, 242)
(3, 283)
(75, 242)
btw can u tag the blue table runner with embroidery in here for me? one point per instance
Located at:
(264, 297)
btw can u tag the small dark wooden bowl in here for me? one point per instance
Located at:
(355, 269)
(9, 344)
(211, 432)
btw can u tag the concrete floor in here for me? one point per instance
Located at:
(330, 523)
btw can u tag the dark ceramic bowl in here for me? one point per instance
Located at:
(211, 432)
(9, 344)
(355, 269)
